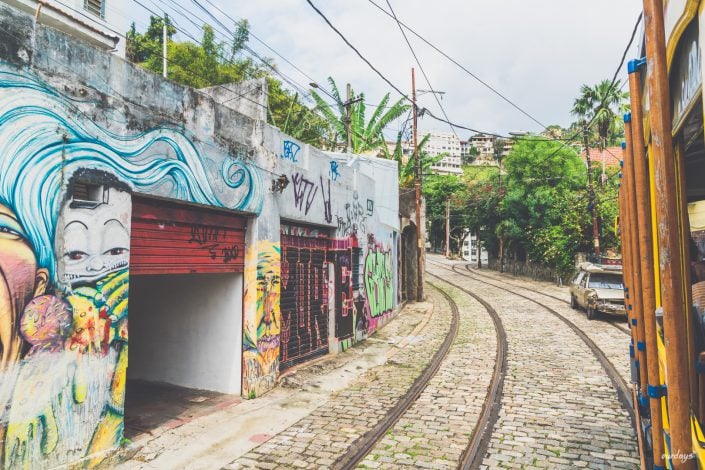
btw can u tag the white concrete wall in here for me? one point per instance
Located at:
(187, 330)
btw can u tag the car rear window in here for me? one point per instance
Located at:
(605, 281)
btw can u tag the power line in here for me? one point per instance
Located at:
(364, 59)
(418, 62)
(604, 99)
(228, 33)
(488, 86)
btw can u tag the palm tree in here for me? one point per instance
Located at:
(364, 136)
(605, 104)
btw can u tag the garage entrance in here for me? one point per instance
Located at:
(304, 294)
(185, 310)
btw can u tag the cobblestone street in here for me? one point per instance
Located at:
(328, 433)
(557, 408)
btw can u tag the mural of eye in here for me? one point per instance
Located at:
(10, 228)
(9, 231)
(117, 251)
(76, 255)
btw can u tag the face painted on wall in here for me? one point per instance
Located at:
(20, 281)
(96, 238)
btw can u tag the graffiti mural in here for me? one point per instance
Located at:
(291, 151)
(379, 282)
(65, 211)
(325, 193)
(304, 192)
(261, 336)
(334, 171)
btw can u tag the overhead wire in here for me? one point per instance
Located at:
(369, 64)
(423, 72)
(609, 89)
(465, 69)
(297, 86)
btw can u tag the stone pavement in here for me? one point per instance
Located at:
(317, 440)
(613, 342)
(559, 408)
(437, 428)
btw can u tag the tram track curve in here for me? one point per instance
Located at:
(624, 392)
(473, 454)
(484, 274)
(366, 443)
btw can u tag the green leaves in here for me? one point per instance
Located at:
(364, 135)
(213, 63)
(605, 105)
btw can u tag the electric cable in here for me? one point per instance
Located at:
(488, 86)
(418, 62)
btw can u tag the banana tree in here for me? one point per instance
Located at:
(364, 135)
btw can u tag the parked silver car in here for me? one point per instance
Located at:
(598, 288)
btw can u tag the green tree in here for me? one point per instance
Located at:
(470, 157)
(212, 63)
(439, 190)
(542, 219)
(605, 104)
(364, 135)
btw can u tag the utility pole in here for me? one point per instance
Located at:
(348, 119)
(447, 227)
(479, 250)
(591, 193)
(417, 186)
(164, 38)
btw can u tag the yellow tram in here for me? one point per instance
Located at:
(662, 209)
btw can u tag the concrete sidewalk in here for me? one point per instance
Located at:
(215, 439)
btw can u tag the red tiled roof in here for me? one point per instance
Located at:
(612, 156)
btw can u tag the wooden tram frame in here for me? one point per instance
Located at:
(669, 391)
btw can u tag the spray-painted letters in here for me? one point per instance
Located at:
(291, 151)
(379, 282)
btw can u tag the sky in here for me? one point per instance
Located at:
(537, 53)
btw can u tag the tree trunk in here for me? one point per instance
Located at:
(501, 254)
(479, 251)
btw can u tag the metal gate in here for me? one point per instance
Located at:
(172, 238)
(304, 294)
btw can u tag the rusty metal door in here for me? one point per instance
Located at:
(304, 295)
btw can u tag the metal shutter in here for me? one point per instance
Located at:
(172, 238)
(304, 299)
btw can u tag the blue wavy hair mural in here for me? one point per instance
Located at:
(44, 140)
(63, 350)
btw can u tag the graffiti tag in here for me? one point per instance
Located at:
(334, 172)
(291, 151)
(370, 207)
(229, 253)
(353, 220)
(304, 192)
(378, 282)
(327, 211)
(204, 234)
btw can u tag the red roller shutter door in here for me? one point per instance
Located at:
(172, 238)
(304, 298)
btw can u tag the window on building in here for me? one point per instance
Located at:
(96, 7)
